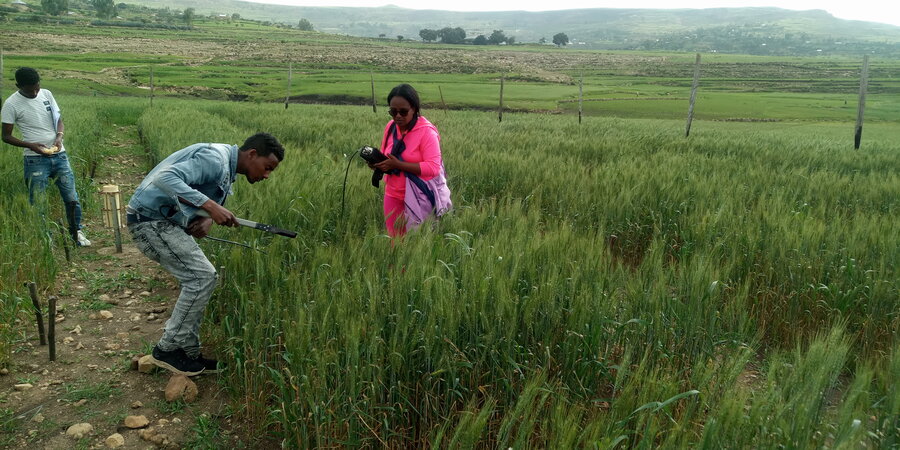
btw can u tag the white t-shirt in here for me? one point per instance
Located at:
(35, 117)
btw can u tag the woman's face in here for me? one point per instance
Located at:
(401, 111)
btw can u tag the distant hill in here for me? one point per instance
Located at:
(732, 30)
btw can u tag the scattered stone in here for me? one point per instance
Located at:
(181, 387)
(122, 335)
(76, 330)
(79, 430)
(135, 317)
(45, 372)
(136, 328)
(145, 294)
(4, 371)
(128, 293)
(68, 340)
(145, 365)
(158, 310)
(79, 346)
(80, 402)
(104, 298)
(115, 441)
(38, 418)
(135, 422)
(130, 302)
(92, 366)
(59, 318)
(136, 404)
(26, 386)
(106, 315)
(113, 347)
(176, 420)
(163, 422)
(151, 317)
(92, 316)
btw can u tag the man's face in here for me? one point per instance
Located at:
(29, 90)
(259, 167)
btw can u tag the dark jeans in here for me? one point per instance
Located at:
(38, 172)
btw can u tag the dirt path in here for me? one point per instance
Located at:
(112, 308)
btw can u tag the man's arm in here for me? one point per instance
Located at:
(12, 140)
(59, 133)
(203, 167)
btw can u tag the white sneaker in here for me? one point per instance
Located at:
(82, 240)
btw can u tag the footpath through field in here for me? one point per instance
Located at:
(112, 307)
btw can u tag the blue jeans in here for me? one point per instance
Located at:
(39, 170)
(178, 253)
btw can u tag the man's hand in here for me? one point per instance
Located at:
(199, 227)
(40, 149)
(219, 214)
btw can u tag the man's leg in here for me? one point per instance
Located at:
(65, 181)
(37, 173)
(179, 254)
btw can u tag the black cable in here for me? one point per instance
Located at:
(344, 190)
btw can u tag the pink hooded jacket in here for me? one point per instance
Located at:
(422, 146)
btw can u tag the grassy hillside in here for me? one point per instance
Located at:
(595, 28)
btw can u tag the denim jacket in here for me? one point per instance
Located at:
(194, 174)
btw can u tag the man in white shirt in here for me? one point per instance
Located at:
(37, 115)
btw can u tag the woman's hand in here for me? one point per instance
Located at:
(389, 164)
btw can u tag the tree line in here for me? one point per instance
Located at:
(448, 35)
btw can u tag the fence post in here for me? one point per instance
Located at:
(151, 86)
(38, 315)
(863, 84)
(500, 110)
(51, 326)
(287, 96)
(444, 104)
(687, 130)
(374, 108)
(580, 95)
(1, 77)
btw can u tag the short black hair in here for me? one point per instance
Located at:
(265, 145)
(407, 92)
(26, 76)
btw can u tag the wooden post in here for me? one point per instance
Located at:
(374, 108)
(287, 96)
(863, 84)
(151, 86)
(687, 130)
(500, 110)
(580, 96)
(444, 104)
(51, 326)
(65, 239)
(1, 77)
(114, 201)
(32, 289)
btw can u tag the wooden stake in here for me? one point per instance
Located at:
(65, 240)
(442, 101)
(114, 206)
(51, 326)
(1, 77)
(374, 108)
(687, 130)
(500, 110)
(580, 96)
(32, 289)
(863, 85)
(151, 86)
(287, 96)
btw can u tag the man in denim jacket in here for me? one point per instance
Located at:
(164, 218)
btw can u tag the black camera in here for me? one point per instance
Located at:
(372, 155)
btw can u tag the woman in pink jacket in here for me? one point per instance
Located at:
(415, 184)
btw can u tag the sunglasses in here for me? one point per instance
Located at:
(402, 111)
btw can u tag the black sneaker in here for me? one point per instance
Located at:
(210, 365)
(176, 361)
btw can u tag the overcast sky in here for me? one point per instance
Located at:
(884, 11)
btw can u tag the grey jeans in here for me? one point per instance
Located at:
(178, 253)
